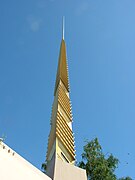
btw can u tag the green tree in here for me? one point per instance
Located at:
(43, 167)
(97, 165)
(126, 178)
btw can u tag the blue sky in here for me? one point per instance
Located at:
(100, 39)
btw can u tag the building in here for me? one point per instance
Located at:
(60, 156)
(15, 167)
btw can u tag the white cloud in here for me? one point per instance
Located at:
(35, 26)
(34, 23)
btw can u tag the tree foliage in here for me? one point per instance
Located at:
(43, 167)
(126, 178)
(97, 165)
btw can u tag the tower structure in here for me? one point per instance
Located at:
(60, 156)
(61, 140)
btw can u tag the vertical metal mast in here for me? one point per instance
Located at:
(63, 27)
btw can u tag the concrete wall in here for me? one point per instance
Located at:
(60, 170)
(14, 167)
(66, 171)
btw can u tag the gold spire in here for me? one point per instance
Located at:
(62, 71)
(61, 139)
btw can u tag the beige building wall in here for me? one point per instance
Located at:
(14, 167)
(66, 171)
(60, 170)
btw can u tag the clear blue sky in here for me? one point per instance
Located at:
(100, 39)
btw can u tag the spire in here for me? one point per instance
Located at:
(61, 137)
(62, 70)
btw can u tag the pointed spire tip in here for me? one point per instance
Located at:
(63, 27)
